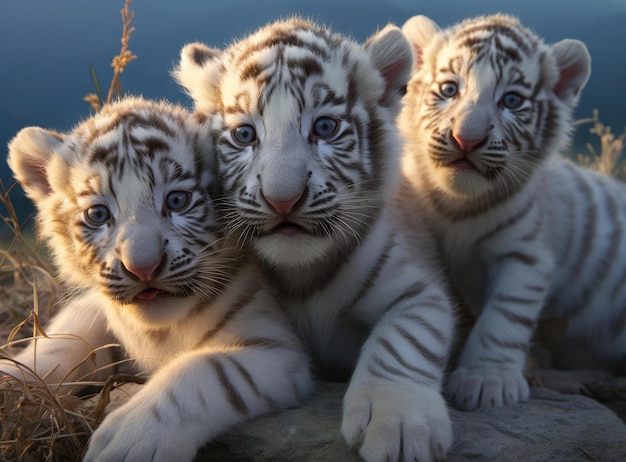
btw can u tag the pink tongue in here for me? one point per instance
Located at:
(463, 164)
(290, 230)
(148, 294)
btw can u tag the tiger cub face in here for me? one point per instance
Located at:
(304, 134)
(123, 202)
(487, 102)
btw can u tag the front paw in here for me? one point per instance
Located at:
(469, 388)
(393, 422)
(138, 435)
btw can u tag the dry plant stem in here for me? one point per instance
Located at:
(113, 382)
(118, 64)
(125, 56)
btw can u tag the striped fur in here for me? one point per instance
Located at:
(123, 201)
(308, 159)
(524, 232)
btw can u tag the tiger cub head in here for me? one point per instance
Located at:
(488, 101)
(123, 202)
(304, 132)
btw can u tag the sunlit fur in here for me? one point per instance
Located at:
(522, 229)
(324, 209)
(124, 203)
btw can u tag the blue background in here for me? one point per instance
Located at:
(46, 47)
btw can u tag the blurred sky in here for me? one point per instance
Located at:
(46, 46)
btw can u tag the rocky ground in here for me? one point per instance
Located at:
(549, 427)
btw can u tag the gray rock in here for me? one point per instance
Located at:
(306, 433)
(549, 427)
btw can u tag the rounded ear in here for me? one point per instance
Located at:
(30, 153)
(419, 31)
(574, 63)
(198, 73)
(391, 55)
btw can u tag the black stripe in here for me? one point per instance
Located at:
(393, 352)
(237, 306)
(420, 347)
(607, 261)
(519, 256)
(503, 359)
(617, 325)
(373, 275)
(535, 288)
(489, 339)
(517, 300)
(251, 383)
(532, 233)
(378, 366)
(516, 318)
(410, 292)
(263, 342)
(437, 333)
(231, 393)
(508, 223)
(589, 228)
(571, 230)
(619, 285)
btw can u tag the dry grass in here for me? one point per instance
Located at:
(609, 159)
(27, 285)
(39, 423)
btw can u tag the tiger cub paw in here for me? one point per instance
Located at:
(393, 423)
(134, 434)
(471, 388)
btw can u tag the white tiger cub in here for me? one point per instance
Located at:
(123, 201)
(522, 229)
(308, 162)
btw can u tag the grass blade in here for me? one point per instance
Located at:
(96, 84)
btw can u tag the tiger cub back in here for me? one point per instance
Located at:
(124, 202)
(524, 232)
(308, 161)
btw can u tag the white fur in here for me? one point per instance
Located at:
(366, 297)
(218, 353)
(540, 239)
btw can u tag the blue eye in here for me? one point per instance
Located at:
(512, 100)
(97, 215)
(177, 200)
(244, 134)
(448, 89)
(325, 127)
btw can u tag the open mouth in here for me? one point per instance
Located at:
(463, 164)
(149, 294)
(288, 228)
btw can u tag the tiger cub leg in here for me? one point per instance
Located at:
(490, 370)
(199, 395)
(76, 346)
(393, 408)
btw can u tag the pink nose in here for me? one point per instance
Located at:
(284, 207)
(144, 274)
(466, 145)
